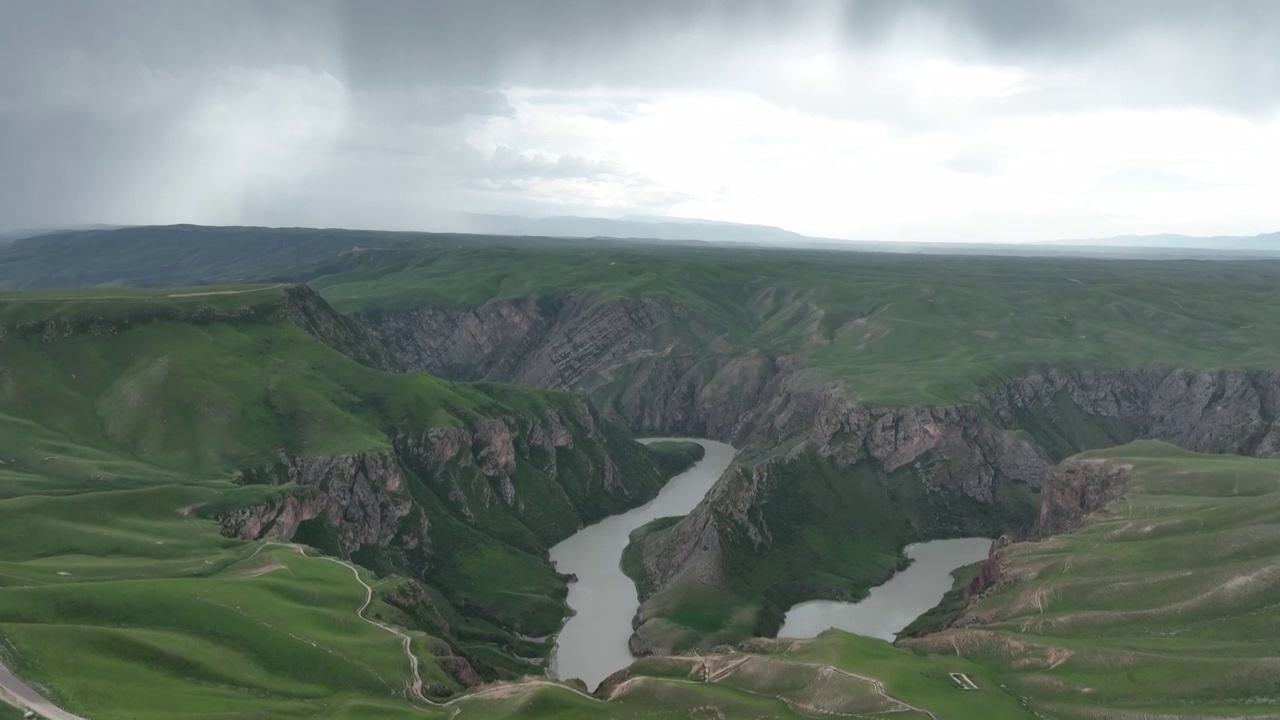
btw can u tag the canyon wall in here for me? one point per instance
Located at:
(948, 470)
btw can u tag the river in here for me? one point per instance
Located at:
(892, 606)
(593, 643)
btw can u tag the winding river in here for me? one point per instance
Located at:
(593, 643)
(892, 606)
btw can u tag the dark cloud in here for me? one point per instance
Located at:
(241, 110)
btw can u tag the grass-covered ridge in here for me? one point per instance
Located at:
(221, 381)
(131, 421)
(893, 328)
(1163, 604)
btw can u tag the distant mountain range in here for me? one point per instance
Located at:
(1267, 242)
(656, 228)
(1166, 246)
(663, 228)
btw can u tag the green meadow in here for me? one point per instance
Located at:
(1164, 604)
(121, 432)
(126, 413)
(894, 329)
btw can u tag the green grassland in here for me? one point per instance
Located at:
(835, 674)
(125, 413)
(119, 605)
(123, 423)
(895, 329)
(1162, 605)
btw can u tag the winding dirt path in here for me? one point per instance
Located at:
(406, 641)
(415, 677)
(21, 695)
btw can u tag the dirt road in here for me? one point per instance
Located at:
(24, 697)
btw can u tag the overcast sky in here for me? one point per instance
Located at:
(970, 120)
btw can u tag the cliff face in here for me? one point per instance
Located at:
(362, 500)
(651, 365)
(1069, 492)
(979, 453)
(946, 470)
(527, 480)
(467, 510)
(552, 344)
(1075, 488)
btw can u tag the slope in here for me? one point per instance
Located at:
(145, 436)
(1160, 604)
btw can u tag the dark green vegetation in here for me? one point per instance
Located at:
(1161, 605)
(675, 456)
(131, 423)
(895, 329)
(259, 411)
(813, 504)
(835, 533)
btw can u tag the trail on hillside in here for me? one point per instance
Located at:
(509, 688)
(415, 678)
(415, 681)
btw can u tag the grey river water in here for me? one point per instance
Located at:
(593, 644)
(892, 606)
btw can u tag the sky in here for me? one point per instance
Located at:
(934, 120)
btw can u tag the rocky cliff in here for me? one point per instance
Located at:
(1074, 488)
(1069, 492)
(532, 480)
(652, 365)
(979, 457)
(468, 510)
(946, 470)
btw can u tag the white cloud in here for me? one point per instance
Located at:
(737, 157)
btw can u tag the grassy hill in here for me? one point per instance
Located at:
(133, 422)
(894, 328)
(1163, 604)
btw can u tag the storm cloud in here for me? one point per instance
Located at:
(881, 119)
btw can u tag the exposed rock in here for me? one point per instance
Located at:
(460, 670)
(363, 499)
(991, 574)
(657, 375)
(546, 343)
(1075, 488)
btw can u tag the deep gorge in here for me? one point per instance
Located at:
(947, 471)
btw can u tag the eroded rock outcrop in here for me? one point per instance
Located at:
(991, 574)
(550, 343)
(652, 366)
(1075, 488)
(981, 451)
(570, 467)
(362, 499)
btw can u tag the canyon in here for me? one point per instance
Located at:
(948, 471)
(443, 419)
